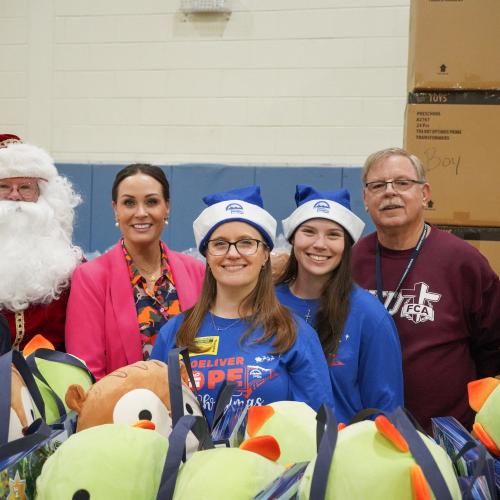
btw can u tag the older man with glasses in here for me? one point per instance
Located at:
(442, 293)
(37, 256)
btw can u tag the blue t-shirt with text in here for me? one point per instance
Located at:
(299, 374)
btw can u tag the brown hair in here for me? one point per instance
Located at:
(276, 320)
(141, 168)
(335, 299)
(387, 153)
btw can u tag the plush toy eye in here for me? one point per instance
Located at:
(143, 404)
(81, 495)
(145, 415)
(191, 404)
(28, 405)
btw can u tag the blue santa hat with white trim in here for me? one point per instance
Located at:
(244, 205)
(331, 205)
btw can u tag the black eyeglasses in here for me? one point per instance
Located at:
(246, 246)
(399, 185)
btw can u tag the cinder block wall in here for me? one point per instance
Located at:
(277, 82)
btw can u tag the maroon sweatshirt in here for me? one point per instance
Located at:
(447, 313)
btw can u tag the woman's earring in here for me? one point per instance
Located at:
(166, 222)
(117, 224)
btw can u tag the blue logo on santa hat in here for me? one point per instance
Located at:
(322, 206)
(234, 208)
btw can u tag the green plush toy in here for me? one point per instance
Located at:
(372, 460)
(54, 372)
(484, 398)
(106, 462)
(291, 423)
(225, 473)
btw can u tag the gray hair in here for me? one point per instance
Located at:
(383, 154)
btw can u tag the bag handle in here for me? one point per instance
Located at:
(6, 395)
(177, 449)
(364, 414)
(480, 468)
(421, 454)
(30, 360)
(326, 434)
(6, 361)
(56, 357)
(223, 398)
(175, 382)
(61, 357)
(37, 432)
(5, 342)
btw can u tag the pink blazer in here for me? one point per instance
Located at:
(101, 318)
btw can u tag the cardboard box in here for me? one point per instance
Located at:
(485, 239)
(457, 137)
(491, 250)
(454, 44)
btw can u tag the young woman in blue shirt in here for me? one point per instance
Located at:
(238, 331)
(358, 336)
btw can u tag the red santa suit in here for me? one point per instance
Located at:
(45, 319)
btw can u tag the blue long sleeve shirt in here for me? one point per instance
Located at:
(367, 369)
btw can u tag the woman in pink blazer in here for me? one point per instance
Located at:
(119, 301)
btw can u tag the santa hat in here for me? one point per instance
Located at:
(6, 139)
(334, 206)
(244, 205)
(26, 160)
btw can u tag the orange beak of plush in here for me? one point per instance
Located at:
(144, 424)
(266, 446)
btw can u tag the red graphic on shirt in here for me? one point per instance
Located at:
(255, 377)
(199, 379)
(335, 362)
(248, 378)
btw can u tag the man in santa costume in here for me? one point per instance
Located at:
(37, 256)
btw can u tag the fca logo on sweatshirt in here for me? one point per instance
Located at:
(418, 303)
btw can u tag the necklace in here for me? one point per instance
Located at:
(307, 317)
(221, 329)
(306, 305)
(149, 275)
(152, 276)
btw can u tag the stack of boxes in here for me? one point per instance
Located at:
(452, 119)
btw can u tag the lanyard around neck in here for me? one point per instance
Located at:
(411, 262)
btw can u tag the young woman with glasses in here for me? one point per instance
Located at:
(238, 331)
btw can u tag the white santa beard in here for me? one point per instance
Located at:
(36, 256)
